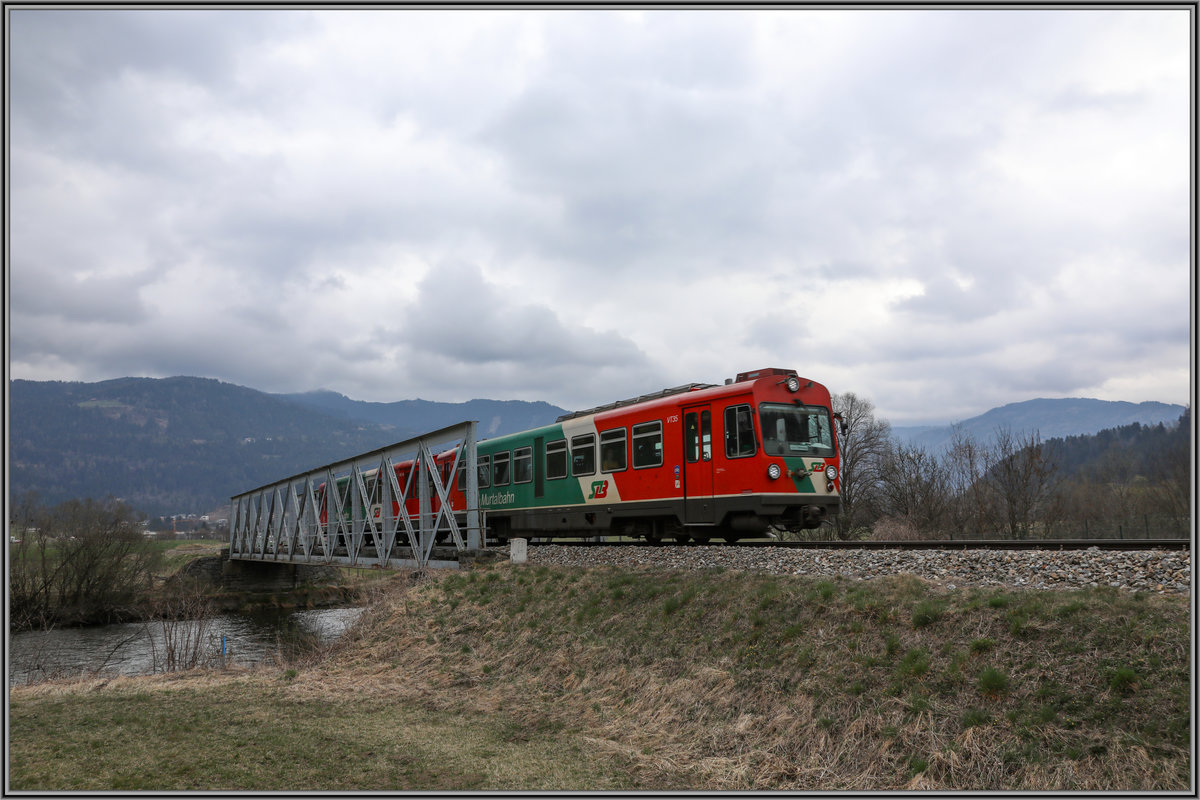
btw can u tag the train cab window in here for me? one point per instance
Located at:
(647, 445)
(612, 450)
(500, 468)
(796, 430)
(485, 471)
(583, 454)
(739, 432)
(556, 460)
(462, 478)
(523, 465)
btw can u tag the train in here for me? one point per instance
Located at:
(758, 454)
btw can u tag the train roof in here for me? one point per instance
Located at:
(687, 387)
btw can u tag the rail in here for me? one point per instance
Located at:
(940, 544)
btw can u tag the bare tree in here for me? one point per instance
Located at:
(913, 489)
(863, 447)
(970, 504)
(1023, 476)
(185, 617)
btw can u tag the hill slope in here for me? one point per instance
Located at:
(176, 445)
(495, 417)
(1051, 418)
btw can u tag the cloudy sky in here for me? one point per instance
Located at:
(940, 210)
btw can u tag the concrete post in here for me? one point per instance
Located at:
(517, 551)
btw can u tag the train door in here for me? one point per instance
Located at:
(699, 508)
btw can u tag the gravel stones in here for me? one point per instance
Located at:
(1161, 571)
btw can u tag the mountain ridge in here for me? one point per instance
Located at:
(184, 444)
(1049, 417)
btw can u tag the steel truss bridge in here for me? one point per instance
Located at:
(281, 522)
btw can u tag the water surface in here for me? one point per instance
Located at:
(139, 648)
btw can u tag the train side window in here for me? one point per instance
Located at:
(612, 450)
(739, 432)
(462, 476)
(647, 445)
(500, 468)
(556, 459)
(523, 465)
(485, 471)
(583, 454)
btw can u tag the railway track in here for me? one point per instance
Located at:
(956, 544)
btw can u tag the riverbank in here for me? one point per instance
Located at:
(539, 678)
(195, 570)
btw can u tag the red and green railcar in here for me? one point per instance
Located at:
(692, 462)
(696, 461)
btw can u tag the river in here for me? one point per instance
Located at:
(139, 648)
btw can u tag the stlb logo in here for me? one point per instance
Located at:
(599, 490)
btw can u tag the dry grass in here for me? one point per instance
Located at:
(576, 679)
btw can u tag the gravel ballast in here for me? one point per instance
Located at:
(1161, 571)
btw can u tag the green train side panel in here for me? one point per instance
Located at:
(559, 492)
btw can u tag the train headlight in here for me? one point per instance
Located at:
(831, 472)
(793, 384)
(773, 472)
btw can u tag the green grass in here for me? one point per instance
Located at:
(249, 737)
(535, 678)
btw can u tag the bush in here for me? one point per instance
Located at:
(79, 562)
(992, 681)
(925, 613)
(1122, 680)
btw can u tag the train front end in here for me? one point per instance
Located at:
(798, 480)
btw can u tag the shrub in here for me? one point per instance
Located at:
(975, 717)
(1122, 680)
(925, 613)
(992, 681)
(914, 663)
(86, 560)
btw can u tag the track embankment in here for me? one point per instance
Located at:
(1160, 571)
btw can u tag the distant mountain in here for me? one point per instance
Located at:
(495, 417)
(1050, 418)
(185, 445)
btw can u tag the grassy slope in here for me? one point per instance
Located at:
(539, 678)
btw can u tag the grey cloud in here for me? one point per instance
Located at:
(596, 148)
(463, 318)
(51, 292)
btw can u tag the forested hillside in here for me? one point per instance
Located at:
(1138, 450)
(1050, 418)
(185, 445)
